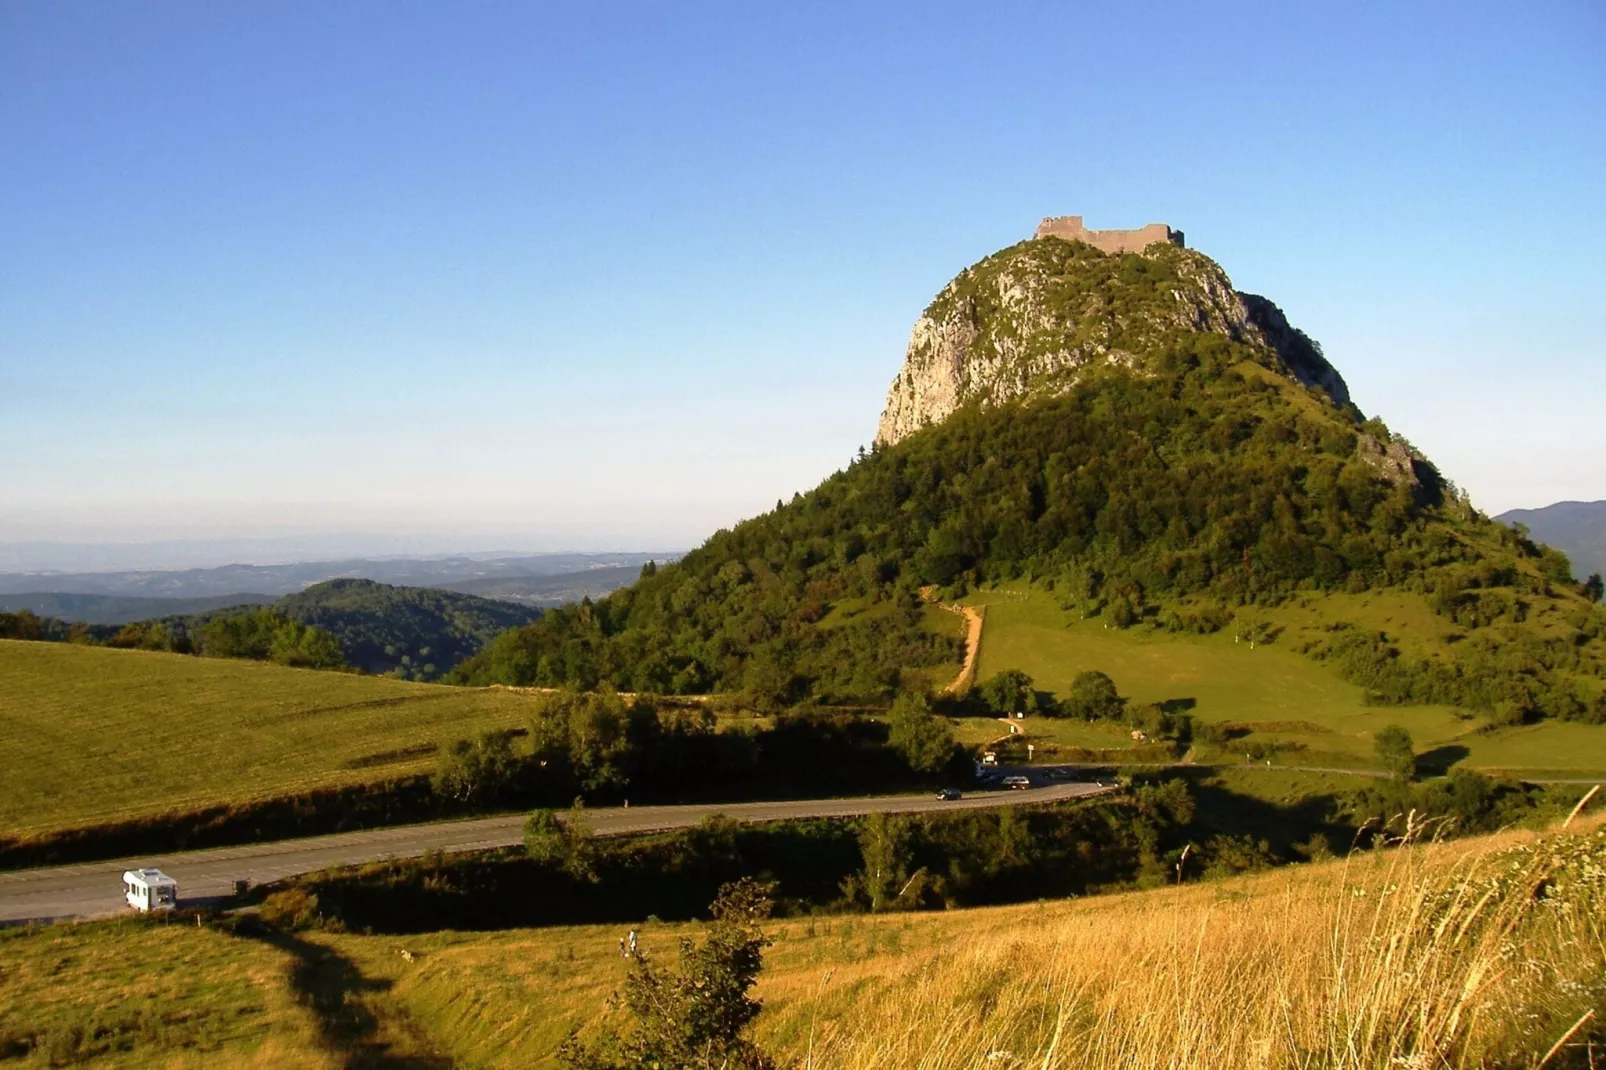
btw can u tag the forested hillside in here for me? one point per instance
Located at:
(416, 633)
(1166, 489)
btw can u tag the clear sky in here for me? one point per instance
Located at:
(614, 275)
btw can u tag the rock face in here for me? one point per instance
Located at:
(1031, 318)
(1392, 460)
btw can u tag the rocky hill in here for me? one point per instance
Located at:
(1159, 450)
(1036, 317)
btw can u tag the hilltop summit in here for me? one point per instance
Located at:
(1070, 228)
(1032, 319)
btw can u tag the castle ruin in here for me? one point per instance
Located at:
(1070, 228)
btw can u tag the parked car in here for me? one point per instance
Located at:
(949, 794)
(1016, 782)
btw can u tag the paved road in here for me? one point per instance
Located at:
(94, 889)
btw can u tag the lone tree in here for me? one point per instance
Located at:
(1395, 752)
(694, 1017)
(1093, 697)
(1009, 693)
(923, 738)
(564, 845)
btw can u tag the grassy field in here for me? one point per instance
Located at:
(159, 992)
(1279, 695)
(1392, 958)
(92, 734)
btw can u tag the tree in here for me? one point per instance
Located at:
(886, 846)
(564, 845)
(478, 770)
(1009, 693)
(1093, 697)
(1594, 587)
(923, 738)
(1395, 752)
(693, 1018)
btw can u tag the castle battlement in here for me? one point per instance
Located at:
(1070, 228)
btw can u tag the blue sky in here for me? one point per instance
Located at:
(604, 276)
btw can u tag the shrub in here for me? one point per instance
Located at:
(693, 1018)
(1395, 752)
(291, 908)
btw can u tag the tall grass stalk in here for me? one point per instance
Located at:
(1432, 956)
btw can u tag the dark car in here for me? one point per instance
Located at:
(949, 794)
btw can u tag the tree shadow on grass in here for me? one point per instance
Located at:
(1437, 762)
(334, 989)
(1288, 828)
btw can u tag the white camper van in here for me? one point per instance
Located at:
(149, 889)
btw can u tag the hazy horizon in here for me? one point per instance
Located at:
(45, 558)
(627, 276)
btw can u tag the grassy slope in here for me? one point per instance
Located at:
(92, 734)
(1234, 973)
(159, 992)
(211, 994)
(1027, 629)
(988, 976)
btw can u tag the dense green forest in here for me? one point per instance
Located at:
(417, 633)
(1165, 498)
(257, 634)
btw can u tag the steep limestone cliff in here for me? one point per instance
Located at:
(1029, 319)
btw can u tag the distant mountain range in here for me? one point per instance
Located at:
(117, 597)
(118, 609)
(1578, 529)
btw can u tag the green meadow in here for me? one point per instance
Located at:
(92, 734)
(1277, 695)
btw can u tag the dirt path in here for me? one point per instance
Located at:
(967, 673)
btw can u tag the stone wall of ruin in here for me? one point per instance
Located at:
(1070, 228)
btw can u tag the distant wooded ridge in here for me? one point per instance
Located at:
(414, 633)
(119, 597)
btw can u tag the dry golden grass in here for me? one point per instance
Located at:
(118, 993)
(1441, 956)
(1477, 953)
(1436, 956)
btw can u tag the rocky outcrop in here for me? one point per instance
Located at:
(1296, 348)
(1032, 318)
(1393, 461)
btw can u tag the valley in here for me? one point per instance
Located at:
(1133, 666)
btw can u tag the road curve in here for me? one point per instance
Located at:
(94, 889)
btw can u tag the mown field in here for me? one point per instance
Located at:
(92, 734)
(1279, 695)
(1396, 958)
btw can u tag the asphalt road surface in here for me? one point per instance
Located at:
(94, 889)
